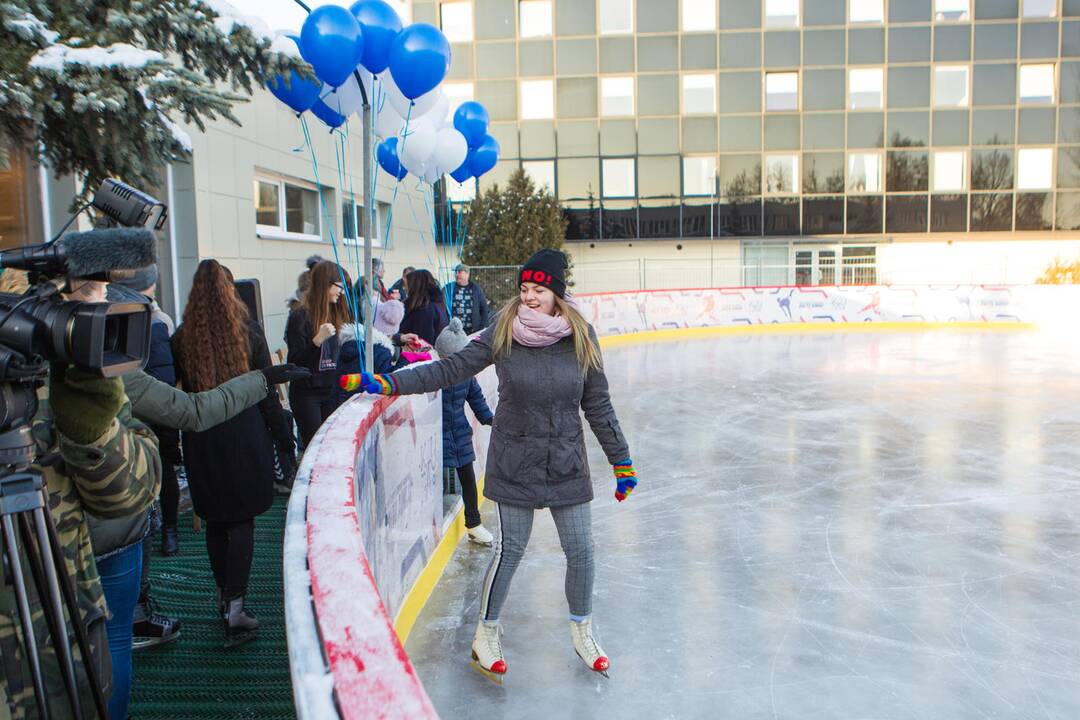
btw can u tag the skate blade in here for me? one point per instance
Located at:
(493, 677)
(240, 638)
(139, 644)
(477, 542)
(598, 672)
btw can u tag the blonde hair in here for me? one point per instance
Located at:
(588, 355)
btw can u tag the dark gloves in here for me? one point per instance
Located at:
(487, 420)
(281, 374)
(83, 405)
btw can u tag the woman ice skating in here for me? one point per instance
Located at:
(549, 367)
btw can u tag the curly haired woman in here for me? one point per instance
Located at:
(230, 467)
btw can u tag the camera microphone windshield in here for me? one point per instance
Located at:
(92, 255)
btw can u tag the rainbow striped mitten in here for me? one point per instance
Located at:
(371, 384)
(625, 479)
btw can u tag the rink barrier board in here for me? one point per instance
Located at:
(346, 655)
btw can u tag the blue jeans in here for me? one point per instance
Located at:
(120, 574)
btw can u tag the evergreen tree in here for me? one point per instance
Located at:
(100, 85)
(508, 225)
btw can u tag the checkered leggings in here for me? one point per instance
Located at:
(574, 523)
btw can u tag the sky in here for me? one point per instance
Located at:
(287, 15)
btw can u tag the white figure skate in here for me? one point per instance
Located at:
(487, 652)
(587, 648)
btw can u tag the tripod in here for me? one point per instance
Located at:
(25, 517)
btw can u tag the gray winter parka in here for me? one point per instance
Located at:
(536, 457)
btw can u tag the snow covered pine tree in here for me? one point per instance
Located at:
(100, 85)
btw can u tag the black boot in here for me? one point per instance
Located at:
(170, 542)
(240, 626)
(150, 628)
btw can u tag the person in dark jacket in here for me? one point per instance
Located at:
(458, 452)
(399, 285)
(311, 336)
(467, 301)
(548, 362)
(231, 467)
(425, 312)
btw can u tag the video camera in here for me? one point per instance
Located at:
(109, 339)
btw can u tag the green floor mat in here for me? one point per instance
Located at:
(195, 677)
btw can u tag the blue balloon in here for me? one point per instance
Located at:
(332, 41)
(322, 111)
(388, 158)
(380, 24)
(297, 93)
(462, 173)
(472, 120)
(484, 156)
(419, 59)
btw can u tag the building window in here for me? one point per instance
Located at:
(698, 15)
(864, 88)
(781, 174)
(864, 172)
(952, 10)
(1034, 168)
(782, 91)
(618, 177)
(951, 86)
(541, 172)
(950, 170)
(616, 17)
(286, 208)
(457, 22)
(534, 18)
(1040, 8)
(698, 94)
(781, 13)
(699, 175)
(353, 220)
(866, 11)
(537, 100)
(457, 93)
(460, 192)
(616, 96)
(1036, 84)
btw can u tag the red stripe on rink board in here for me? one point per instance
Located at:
(372, 675)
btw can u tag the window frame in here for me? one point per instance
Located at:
(550, 18)
(472, 20)
(765, 91)
(964, 171)
(682, 93)
(1037, 101)
(604, 195)
(633, 96)
(765, 25)
(879, 21)
(938, 15)
(456, 100)
(1025, 16)
(712, 191)
(850, 174)
(279, 232)
(966, 67)
(522, 82)
(796, 174)
(1022, 152)
(554, 173)
(600, 31)
(880, 70)
(376, 237)
(686, 4)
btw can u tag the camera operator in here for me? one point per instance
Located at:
(94, 456)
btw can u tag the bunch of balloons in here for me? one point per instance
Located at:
(401, 69)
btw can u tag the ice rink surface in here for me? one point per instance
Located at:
(827, 526)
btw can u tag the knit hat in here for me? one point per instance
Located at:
(313, 260)
(388, 316)
(452, 339)
(547, 268)
(137, 279)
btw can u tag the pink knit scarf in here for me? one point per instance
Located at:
(533, 328)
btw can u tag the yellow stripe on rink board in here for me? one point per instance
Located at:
(421, 590)
(675, 334)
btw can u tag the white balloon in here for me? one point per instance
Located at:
(438, 114)
(388, 123)
(451, 148)
(432, 175)
(418, 169)
(417, 142)
(347, 99)
(419, 107)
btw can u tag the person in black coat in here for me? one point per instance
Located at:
(458, 451)
(425, 312)
(230, 467)
(311, 336)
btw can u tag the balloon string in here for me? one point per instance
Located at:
(342, 170)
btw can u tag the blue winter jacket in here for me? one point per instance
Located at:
(457, 433)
